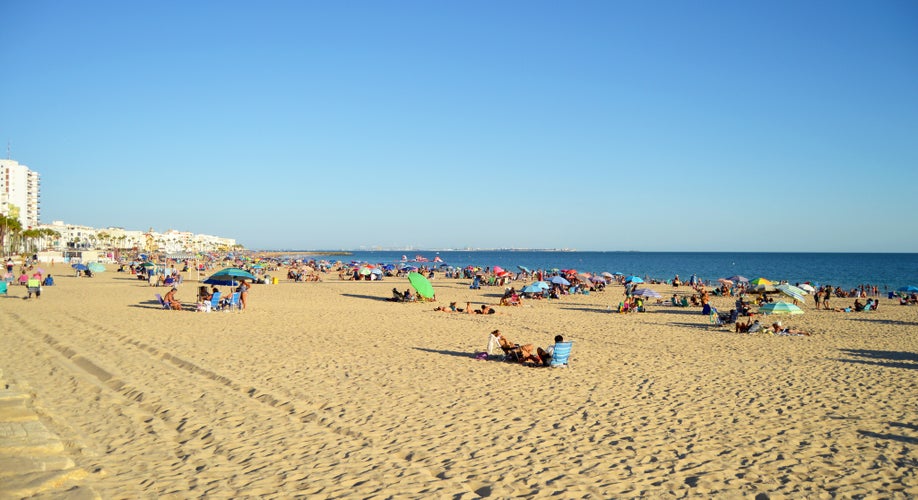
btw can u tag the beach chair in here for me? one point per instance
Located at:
(33, 286)
(215, 302)
(234, 304)
(562, 354)
(162, 302)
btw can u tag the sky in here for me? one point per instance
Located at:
(594, 125)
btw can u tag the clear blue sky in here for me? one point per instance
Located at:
(596, 125)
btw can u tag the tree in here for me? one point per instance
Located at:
(10, 227)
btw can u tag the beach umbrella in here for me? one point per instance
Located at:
(633, 279)
(421, 285)
(231, 276)
(807, 288)
(40, 271)
(598, 279)
(532, 289)
(558, 280)
(725, 281)
(792, 292)
(498, 270)
(738, 279)
(647, 293)
(760, 281)
(542, 284)
(79, 267)
(780, 308)
(365, 271)
(96, 267)
(764, 288)
(618, 273)
(609, 275)
(909, 289)
(524, 269)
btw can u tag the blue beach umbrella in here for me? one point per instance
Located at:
(633, 279)
(647, 293)
(79, 267)
(231, 276)
(96, 267)
(909, 289)
(558, 280)
(532, 289)
(524, 269)
(542, 284)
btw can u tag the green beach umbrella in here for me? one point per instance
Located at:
(760, 281)
(792, 292)
(780, 308)
(421, 285)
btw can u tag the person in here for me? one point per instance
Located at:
(545, 355)
(396, 295)
(858, 307)
(486, 309)
(447, 309)
(515, 352)
(171, 301)
(779, 329)
(749, 326)
(34, 285)
(243, 290)
(49, 281)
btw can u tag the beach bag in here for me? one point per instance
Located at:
(481, 356)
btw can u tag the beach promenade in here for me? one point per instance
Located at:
(326, 390)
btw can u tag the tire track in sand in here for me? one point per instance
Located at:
(217, 428)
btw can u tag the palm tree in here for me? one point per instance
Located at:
(10, 227)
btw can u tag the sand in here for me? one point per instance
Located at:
(325, 390)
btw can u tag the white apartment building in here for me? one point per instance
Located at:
(76, 238)
(19, 193)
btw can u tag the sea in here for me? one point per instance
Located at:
(888, 271)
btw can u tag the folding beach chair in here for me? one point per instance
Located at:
(162, 302)
(215, 301)
(562, 354)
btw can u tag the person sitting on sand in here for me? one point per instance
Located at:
(396, 296)
(203, 294)
(858, 307)
(779, 329)
(171, 301)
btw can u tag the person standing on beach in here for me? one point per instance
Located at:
(826, 296)
(818, 298)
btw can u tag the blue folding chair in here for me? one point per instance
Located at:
(562, 354)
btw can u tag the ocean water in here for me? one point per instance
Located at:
(847, 270)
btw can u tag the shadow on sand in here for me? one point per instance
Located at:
(457, 354)
(368, 297)
(889, 359)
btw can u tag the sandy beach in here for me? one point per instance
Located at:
(326, 390)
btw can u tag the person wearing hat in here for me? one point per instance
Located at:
(172, 301)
